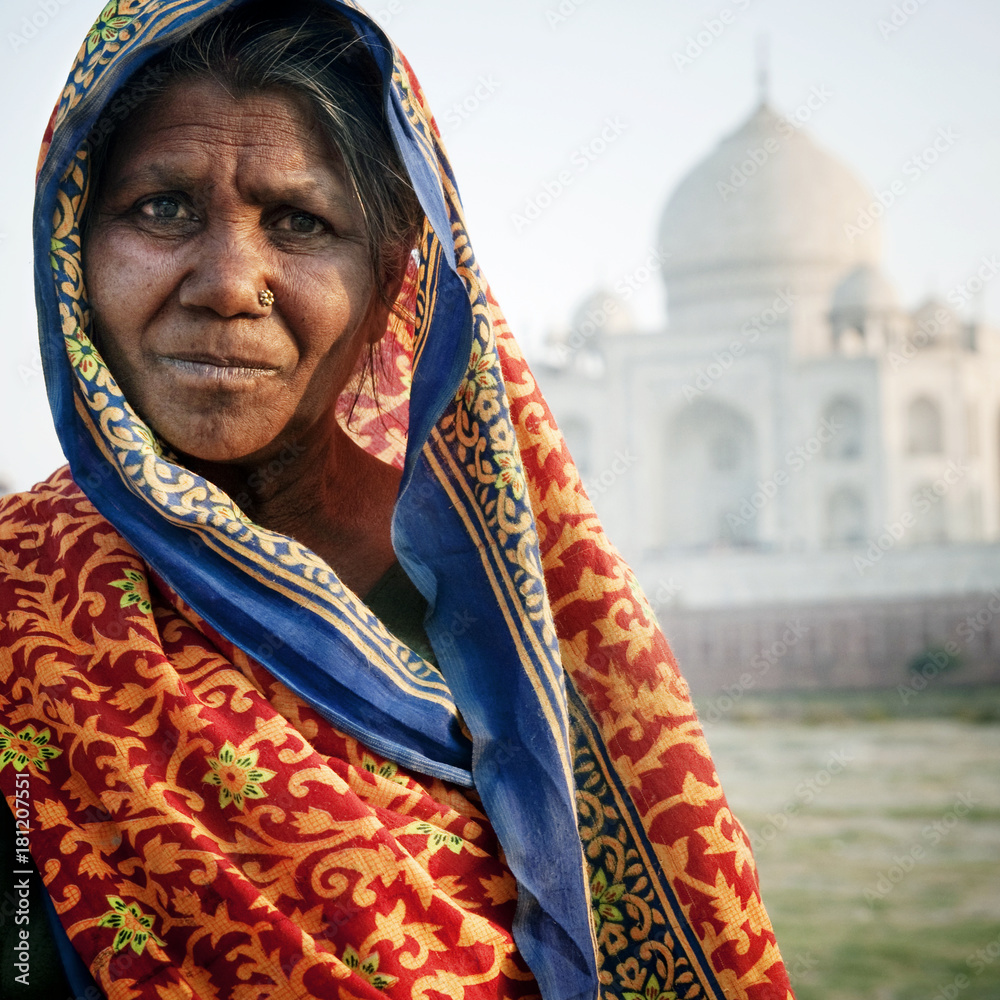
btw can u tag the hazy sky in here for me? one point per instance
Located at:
(523, 89)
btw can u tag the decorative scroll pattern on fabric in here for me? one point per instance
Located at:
(122, 24)
(635, 912)
(247, 827)
(315, 866)
(616, 657)
(477, 428)
(181, 496)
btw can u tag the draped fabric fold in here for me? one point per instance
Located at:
(230, 755)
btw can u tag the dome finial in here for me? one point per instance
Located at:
(763, 70)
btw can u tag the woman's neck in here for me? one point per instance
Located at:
(326, 492)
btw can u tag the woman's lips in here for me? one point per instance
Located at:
(208, 368)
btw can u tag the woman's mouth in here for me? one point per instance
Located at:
(218, 370)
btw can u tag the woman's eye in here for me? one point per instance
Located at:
(301, 222)
(165, 207)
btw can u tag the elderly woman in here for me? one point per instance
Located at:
(319, 677)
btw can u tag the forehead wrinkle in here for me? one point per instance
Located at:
(288, 161)
(199, 135)
(265, 189)
(204, 110)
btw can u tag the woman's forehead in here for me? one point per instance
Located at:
(197, 124)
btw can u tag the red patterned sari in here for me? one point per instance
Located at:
(242, 785)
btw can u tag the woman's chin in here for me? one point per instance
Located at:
(211, 444)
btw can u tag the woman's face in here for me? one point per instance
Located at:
(207, 202)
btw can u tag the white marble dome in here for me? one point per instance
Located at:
(602, 313)
(866, 290)
(935, 324)
(767, 208)
(794, 205)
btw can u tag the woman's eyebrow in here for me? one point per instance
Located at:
(286, 187)
(331, 190)
(155, 174)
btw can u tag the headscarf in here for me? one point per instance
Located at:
(555, 694)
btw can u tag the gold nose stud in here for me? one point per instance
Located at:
(266, 297)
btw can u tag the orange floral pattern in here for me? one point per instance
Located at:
(320, 868)
(132, 926)
(238, 778)
(26, 747)
(184, 778)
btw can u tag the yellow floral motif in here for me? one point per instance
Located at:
(132, 924)
(107, 26)
(56, 246)
(134, 586)
(651, 991)
(479, 376)
(82, 356)
(26, 747)
(386, 770)
(368, 969)
(510, 474)
(603, 897)
(436, 837)
(237, 778)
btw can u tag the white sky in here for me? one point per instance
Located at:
(546, 89)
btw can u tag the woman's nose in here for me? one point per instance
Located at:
(227, 274)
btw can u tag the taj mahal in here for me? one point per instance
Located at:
(793, 438)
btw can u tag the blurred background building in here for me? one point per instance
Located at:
(795, 458)
(810, 467)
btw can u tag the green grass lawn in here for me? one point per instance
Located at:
(876, 828)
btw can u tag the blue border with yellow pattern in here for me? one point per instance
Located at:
(463, 527)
